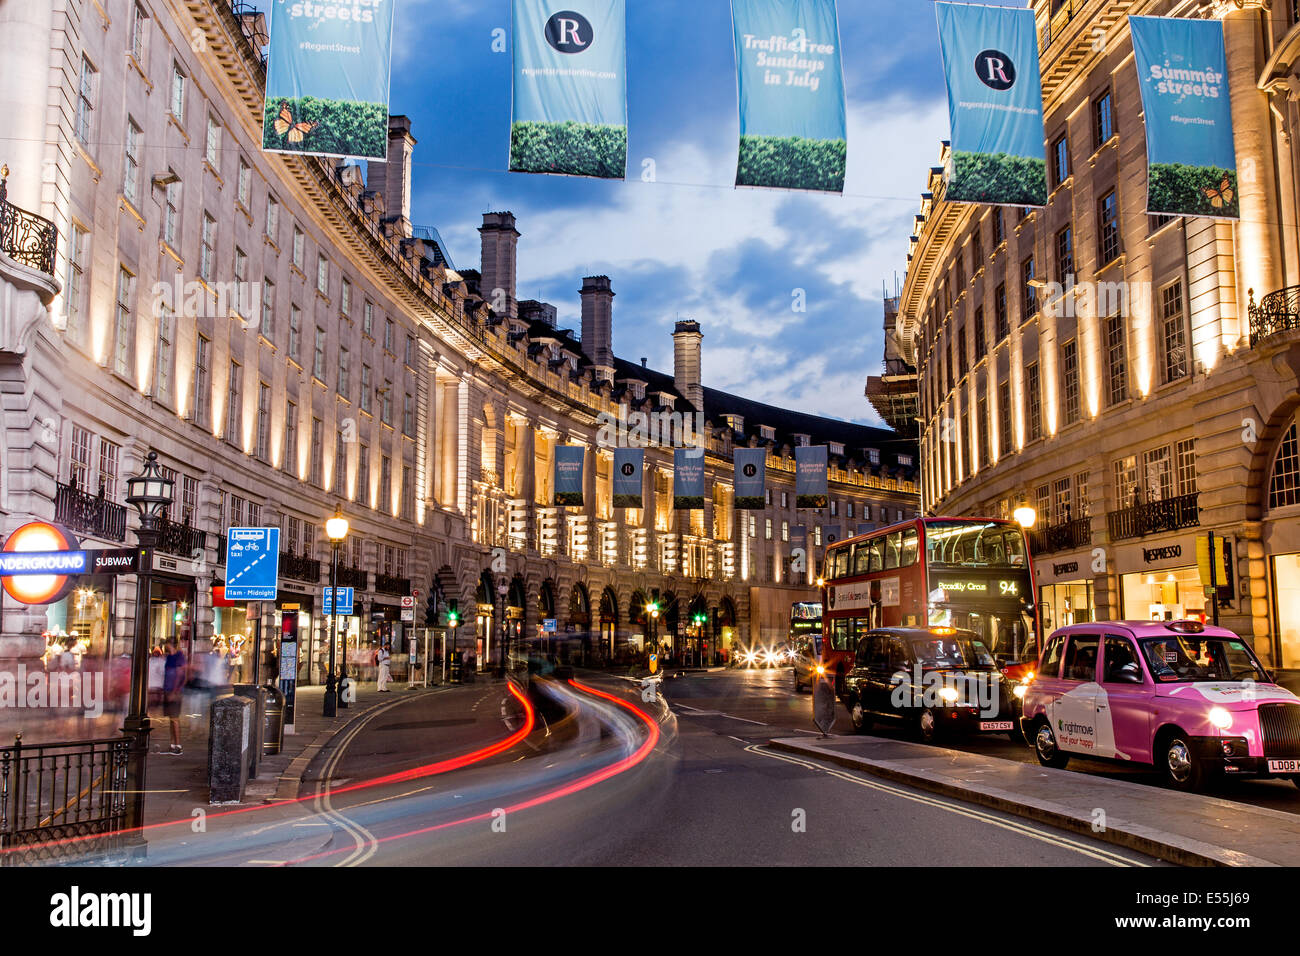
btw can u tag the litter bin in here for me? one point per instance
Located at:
(272, 714)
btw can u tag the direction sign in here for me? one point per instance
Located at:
(548, 625)
(252, 563)
(345, 601)
(408, 614)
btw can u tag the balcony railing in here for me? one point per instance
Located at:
(89, 514)
(298, 567)
(390, 584)
(221, 549)
(1065, 536)
(1153, 517)
(1063, 11)
(1277, 312)
(177, 537)
(24, 236)
(354, 578)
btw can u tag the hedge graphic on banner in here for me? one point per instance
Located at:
(629, 464)
(792, 114)
(570, 88)
(810, 476)
(995, 105)
(751, 476)
(568, 474)
(327, 79)
(1183, 75)
(688, 479)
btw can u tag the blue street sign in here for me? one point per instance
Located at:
(252, 563)
(548, 625)
(43, 562)
(345, 601)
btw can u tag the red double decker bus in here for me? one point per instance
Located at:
(972, 573)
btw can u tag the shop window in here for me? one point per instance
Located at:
(1126, 483)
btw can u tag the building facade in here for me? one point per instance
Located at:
(1131, 377)
(291, 346)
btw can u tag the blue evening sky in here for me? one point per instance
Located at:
(690, 245)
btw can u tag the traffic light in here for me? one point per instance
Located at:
(699, 618)
(431, 609)
(453, 613)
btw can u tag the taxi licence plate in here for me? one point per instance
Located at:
(1284, 766)
(1000, 725)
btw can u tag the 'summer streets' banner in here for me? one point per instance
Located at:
(1183, 75)
(810, 476)
(995, 105)
(688, 478)
(792, 114)
(570, 88)
(327, 79)
(568, 474)
(628, 466)
(751, 476)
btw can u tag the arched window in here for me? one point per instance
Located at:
(1284, 482)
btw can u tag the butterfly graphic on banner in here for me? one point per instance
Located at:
(289, 126)
(1219, 197)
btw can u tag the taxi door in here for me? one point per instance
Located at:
(1124, 700)
(1073, 712)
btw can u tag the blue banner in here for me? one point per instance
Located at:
(629, 464)
(570, 88)
(751, 475)
(1183, 75)
(810, 476)
(792, 116)
(688, 478)
(832, 534)
(327, 78)
(995, 105)
(568, 474)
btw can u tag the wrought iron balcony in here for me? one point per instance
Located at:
(24, 236)
(298, 567)
(177, 537)
(89, 514)
(1063, 11)
(221, 549)
(1153, 517)
(1277, 312)
(354, 578)
(1066, 536)
(389, 584)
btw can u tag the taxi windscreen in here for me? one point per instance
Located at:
(1196, 658)
(951, 652)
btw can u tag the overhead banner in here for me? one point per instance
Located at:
(629, 463)
(793, 120)
(1183, 75)
(832, 534)
(327, 79)
(810, 476)
(688, 479)
(570, 88)
(568, 474)
(751, 475)
(995, 105)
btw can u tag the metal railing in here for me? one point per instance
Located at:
(390, 584)
(1076, 533)
(53, 796)
(298, 567)
(24, 236)
(89, 514)
(178, 537)
(354, 578)
(1276, 312)
(1153, 517)
(1063, 11)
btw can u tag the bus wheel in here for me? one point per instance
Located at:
(858, 717)
(1049, 754)
(927, 724)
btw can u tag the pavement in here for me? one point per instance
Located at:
(1183, 828)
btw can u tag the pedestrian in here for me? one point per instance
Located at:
(385, 672)
(173, 685)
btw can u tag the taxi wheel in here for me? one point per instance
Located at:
(1182, 768)
(858, 717)
(927, 725)
(1049, 754)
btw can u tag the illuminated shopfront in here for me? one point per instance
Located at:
(1164, 595)
(1286, 589)
(81, 623)
(1068, 602)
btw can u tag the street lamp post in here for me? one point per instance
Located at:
(652, 618)
(336, 529)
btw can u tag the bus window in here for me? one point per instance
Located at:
(877, 557)
(841, 562)
(861, 558)
(910, 540)
(843, 634)
(893, 544)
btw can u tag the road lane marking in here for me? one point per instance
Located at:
(1014, 826)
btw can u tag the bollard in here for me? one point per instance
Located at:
(228, 746)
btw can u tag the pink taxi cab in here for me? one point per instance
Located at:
(1192, 700)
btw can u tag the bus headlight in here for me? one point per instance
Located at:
(1220, 718)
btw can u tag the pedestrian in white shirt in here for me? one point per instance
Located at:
(385, 672)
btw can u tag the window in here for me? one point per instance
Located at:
(164, 359)
(1108, 228)
(409, 358)
(948, 363)
(267, 327)
(1029, 304)
(272, 218)
(1043, 502)
(368, 319)
(345, 297)
(244, 184)
(767, 529)
(386, 403)
(1185, 466)
(1065, 255)
(873, 456)
(1126, 482)
(1081, 659)
(340, 464)
(1005, 439)
(189, 499)
(343, 372)
(1060, 160)
(75, 291)
(236, 511)
(388, 335)
(960, 266)
(1103, 120)
(785, 499)
(318, 356)
(207, 247)
(982, 425)
(263, 422)
(295, 333)
(110, 455)
(1070, 381)
(1284, 482)
(363, 475)
(322, 275)
(202, 388)
(79, 465)
(365, 388)
(298, 245)
(87, 90)
(1034, 402)
(212, 143)
(131, 173)
(976, 250)
(835, 509)
(1116, 360)
(139, 34)
(1157, 474)
(241, 265)
(178, 93)
(291, 438)
(1000, 311)
(408, 414)
(999, 227)
(1082, 508)
(232, 405)
(123, 326)
(317, 440)
(385, 482)
(1061, 501)
(981, 339)
(1173, 332)
(962, 366)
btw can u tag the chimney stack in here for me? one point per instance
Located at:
(598, 324)
(500, 239)
(686, 362)
(392, 179)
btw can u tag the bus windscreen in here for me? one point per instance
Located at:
(966, 544)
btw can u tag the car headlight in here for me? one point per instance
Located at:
(949, 694)
(1220, 718)
(821, 670)
(1019, 690)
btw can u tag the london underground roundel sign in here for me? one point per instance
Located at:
(48, 539)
